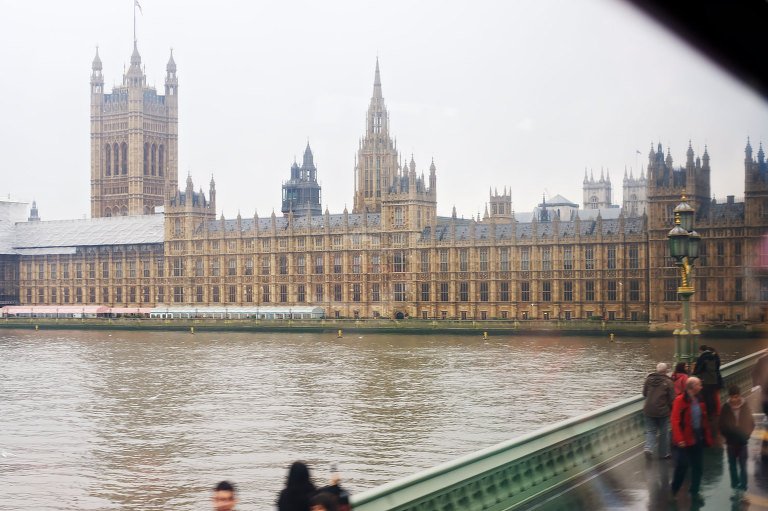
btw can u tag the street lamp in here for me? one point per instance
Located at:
(684, 246)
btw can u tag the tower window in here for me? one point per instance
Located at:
(124, 159)
(146, 158)
(154, 159)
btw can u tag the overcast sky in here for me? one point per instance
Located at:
(519, 93)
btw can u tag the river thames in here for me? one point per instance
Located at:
(151, 420)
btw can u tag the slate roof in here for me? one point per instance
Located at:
(49, 237)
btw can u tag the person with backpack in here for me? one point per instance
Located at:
(659, 393)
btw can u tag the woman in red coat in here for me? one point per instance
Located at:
(690, 434)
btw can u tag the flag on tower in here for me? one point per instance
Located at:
(139, 6)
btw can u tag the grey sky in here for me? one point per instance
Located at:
(520, 93)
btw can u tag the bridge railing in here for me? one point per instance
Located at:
(510, 474)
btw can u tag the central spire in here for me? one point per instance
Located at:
(377, 81)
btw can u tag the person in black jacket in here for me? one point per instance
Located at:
(298, 489)
(708, 370)
(736, 425)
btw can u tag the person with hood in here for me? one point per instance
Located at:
(690, 434)
(736, 425)
(708, 370)
(659, 393)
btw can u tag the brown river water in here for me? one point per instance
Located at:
(151, 420)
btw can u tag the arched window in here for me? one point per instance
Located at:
(124, 159)
(107, 212)
(146, 158)
(160, 160)
(124, 211)
(108, 159)
(154, 158)
(116, 158)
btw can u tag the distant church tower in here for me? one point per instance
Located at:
(597, 194)
(301, 193)
(755, 186)
(635, 193)
(501, 204)
(134, 141)
(377, 163)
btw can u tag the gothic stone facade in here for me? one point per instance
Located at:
(392, 256)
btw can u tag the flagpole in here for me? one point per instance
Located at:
(134, 22)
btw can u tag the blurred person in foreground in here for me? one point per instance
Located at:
(224, 496)
(690, 434)
(323, 501)
(298, 489)
(760, 378)
(736, 425)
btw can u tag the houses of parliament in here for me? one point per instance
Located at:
(150, 243)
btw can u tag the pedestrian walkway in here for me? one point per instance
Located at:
(637, 483)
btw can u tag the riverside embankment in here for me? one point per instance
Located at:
(405, 326)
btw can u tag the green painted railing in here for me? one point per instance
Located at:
(511, 474)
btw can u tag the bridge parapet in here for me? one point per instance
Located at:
(511, 474)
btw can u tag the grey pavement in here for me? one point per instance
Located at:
(635, 483)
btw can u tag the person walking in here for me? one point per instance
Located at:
(659, 393)
(679, 377)
(690, 434)
(736, 425)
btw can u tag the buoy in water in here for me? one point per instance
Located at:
(191, 330)
(37, 327)
(339, 334)
(485, 336)
(612, 337)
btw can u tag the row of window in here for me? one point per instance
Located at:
(714, 289)
(443, 292)
(131, 269)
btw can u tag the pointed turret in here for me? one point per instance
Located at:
(689, 155)
(748, 151)
(96, 64)
(705, 159)
(170, 67)
(97, 79)
(760, 154)
(377, 82)
(308, 157)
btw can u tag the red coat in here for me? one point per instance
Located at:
(682, 423)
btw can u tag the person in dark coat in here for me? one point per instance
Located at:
(298, 489)
(736, 425)
(708, 371)
(690, 434)
(659, 393)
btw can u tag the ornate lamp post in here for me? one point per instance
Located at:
(684, 244)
